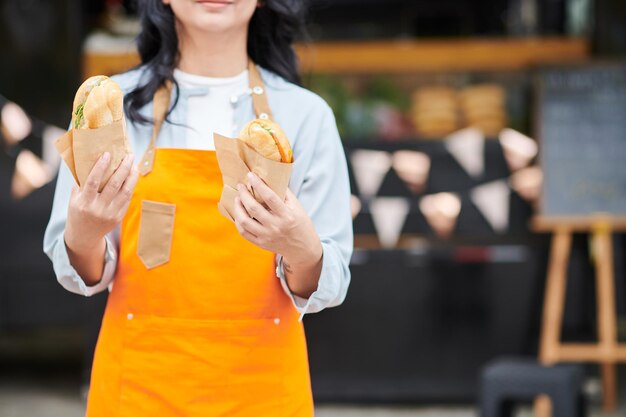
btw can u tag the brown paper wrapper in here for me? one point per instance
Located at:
(64, 146)
(236, 159)
(81, 149)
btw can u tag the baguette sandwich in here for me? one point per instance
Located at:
(98, 126)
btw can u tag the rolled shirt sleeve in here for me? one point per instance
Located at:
(325, 195)
(54, 243)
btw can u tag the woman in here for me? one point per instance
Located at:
(200, 320)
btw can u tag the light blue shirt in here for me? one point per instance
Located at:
(319, 180)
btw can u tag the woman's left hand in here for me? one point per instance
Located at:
(280, 226)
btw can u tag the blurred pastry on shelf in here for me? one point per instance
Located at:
(434, 111)
(483, 95)
(437, 93)
(483, 106)
(484, 112)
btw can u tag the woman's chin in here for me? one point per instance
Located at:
(214, 23)
(209, 20)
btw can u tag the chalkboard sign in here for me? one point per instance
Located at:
(582, 131)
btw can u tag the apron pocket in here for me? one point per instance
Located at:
(155, 233)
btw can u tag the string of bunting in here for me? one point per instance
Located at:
(441, 210)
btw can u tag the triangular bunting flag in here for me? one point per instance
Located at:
(389, 215)
(467, 146)
(355, 206)
(413, 168)
(527, 183)
(492, 200)
(30, 173)
(369, 168)
(519, 150)
(441, 212)
(14, 123)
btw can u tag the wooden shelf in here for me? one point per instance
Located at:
(497, 54)
(441, 55)
(108, 63)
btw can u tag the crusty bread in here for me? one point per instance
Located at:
(98, 102)
(103, 105)
(268, 139)
(85, 88)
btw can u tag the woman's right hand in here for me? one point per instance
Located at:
(92, 214)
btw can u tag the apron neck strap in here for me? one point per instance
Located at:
(161, 104)
(257, 89)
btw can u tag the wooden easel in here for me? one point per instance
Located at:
(606, 352)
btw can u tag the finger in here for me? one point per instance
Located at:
(121, 211)
(292, 202)
(268, 195)
(253, 207)
(290, 198)
(125, 193)
(250, 238)
(252, 226)
(91, 186)
(116, 181)
(242, 218)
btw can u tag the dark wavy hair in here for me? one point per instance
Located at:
(271, 32)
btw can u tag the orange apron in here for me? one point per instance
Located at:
(197, 323)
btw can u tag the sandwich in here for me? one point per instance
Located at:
(97, 103)
(98, 126)
(268, 139)
(263, 148)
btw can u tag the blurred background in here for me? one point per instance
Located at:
(462, 120)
